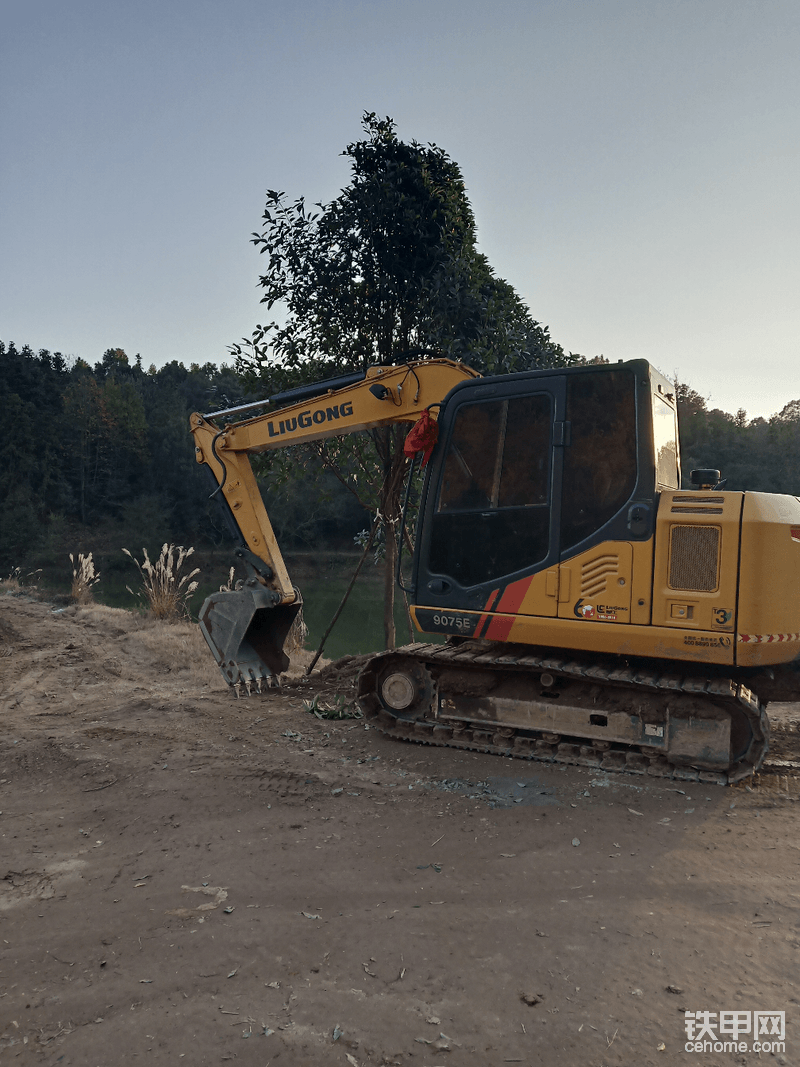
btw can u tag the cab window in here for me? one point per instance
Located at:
(493, 508)
(600, 462)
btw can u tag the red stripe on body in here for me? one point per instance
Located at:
(500, 627)
(487, 607)
(513, 595)
(509, 604)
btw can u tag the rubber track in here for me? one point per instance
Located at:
(505, 741)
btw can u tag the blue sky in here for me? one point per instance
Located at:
(632, 165)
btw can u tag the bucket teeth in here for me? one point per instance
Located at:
(247, 687)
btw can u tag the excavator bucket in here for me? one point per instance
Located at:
(246, 630)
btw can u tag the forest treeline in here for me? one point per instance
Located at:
(106, 450)
(759, 455)
(103, 455)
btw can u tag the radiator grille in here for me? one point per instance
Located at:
(694, 558)
(696, 511)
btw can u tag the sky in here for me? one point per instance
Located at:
(632, 165)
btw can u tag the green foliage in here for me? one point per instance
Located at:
(147, 519)
(30, 398)
(387, 272)
(309, 508)
(759, 455)
(338, 708)
(97, 457)
(19, 525)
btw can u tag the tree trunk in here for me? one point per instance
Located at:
(388, 584)
(392, 508)
(389, 446)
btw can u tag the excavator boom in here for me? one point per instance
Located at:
(245, 628)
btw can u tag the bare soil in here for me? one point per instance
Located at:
(186, 876)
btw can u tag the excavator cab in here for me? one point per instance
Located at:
(533, 468)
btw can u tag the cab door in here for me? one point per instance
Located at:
(492, 509)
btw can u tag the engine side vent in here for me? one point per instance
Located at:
(694, 558)
(596, 573)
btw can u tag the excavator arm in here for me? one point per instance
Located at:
(246, 627)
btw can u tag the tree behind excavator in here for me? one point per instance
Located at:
(386, 273)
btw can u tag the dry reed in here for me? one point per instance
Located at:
(17, 581)
(297, 635)
(84, 577)
(164, 588)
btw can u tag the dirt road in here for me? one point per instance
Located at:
(186, 877)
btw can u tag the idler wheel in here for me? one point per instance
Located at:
(398, 691)
(404, 687)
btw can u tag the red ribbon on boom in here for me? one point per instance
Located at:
(422, 437)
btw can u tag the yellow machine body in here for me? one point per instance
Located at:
(719, 582)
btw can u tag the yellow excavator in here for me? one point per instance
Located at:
(595, 613)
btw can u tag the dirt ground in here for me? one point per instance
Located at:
(186, 876)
